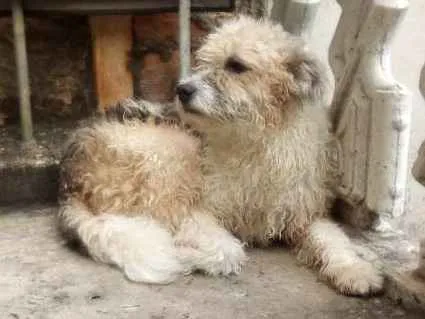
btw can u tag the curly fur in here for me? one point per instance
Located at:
(158, 201)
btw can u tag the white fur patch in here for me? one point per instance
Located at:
(206, 246)
(139, 246)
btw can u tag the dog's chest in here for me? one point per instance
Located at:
(259, 189)
(246, 181)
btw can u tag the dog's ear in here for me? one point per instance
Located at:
(311, 79)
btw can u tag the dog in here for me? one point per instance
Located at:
(159, 201)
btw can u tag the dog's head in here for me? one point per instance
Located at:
(254, 71)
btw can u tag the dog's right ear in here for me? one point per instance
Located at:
(311, 80)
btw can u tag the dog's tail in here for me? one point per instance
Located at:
(141, 247)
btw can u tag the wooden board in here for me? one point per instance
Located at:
(112, 43)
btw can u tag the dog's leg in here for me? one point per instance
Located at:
(204, 245)
(140, 246)
(327, 247)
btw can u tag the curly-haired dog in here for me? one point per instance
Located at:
(158, 202)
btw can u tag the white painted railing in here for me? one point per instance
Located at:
(370, 110)
(296, 16)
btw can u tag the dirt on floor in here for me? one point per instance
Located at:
(43, 278)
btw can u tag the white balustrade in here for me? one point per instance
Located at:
(371, 111)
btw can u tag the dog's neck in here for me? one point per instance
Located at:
(239, 139)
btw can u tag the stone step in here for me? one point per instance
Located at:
(29, 172)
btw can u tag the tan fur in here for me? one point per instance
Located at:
(262, 170)
(135, 168)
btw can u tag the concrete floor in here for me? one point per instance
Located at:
(408, 57)
(41, 278)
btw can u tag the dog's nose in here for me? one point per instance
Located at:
(185, 92)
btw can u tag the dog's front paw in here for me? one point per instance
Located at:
(358, 279)
(228, 259)
(225, 256)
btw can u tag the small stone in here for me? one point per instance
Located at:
(95, 297)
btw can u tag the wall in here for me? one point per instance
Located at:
(58, 49)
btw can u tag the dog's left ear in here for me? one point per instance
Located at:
(311, 79)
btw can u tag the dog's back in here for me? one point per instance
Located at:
(122, 167)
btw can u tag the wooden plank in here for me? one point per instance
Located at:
(112, 42)
(115, 7)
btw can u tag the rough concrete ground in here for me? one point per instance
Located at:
(42, 278)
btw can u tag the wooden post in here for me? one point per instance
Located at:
(112, 41)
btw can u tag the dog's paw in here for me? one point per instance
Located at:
(358, 279)
(228, 259)
(225, 256)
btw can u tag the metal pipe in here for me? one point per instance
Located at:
(184, 37)
(22, 70)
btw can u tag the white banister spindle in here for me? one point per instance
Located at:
(296, 16)
(343, 43)
(371, 111)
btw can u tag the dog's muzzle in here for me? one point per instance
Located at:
(185, 92)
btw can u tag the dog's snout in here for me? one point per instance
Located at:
(185, 92)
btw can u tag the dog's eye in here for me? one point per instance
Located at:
(235, 66)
